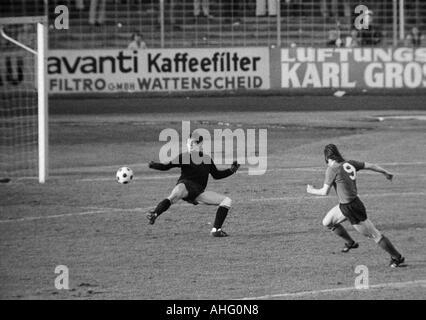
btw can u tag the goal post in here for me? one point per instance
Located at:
(43, 142)
(24, 117)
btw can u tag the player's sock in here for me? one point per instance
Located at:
(220, 217)
(386, 245)
(340, 231)
(162, 206)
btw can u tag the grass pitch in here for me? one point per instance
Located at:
(277, 247)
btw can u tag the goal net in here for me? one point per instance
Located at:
(23, 98)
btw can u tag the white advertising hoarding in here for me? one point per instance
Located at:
(382, 68)
(162, 70)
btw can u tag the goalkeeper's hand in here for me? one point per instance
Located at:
(234, 167)
(153, 165)
(388, 175)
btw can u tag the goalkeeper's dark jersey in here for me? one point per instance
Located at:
(195, 170)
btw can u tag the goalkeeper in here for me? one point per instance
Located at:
(192, 183)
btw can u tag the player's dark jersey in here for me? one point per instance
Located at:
(343, 177)
(195, 170)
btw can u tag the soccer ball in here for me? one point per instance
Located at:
(124, 175)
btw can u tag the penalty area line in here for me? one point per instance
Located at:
(73, 214)
(393, 285)
(92, 210)
(313, 197)
(98, 210)
(52, 216)
(161, 177)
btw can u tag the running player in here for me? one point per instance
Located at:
(195, 169)
(342, 175)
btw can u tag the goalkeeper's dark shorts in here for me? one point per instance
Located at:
(194, 190)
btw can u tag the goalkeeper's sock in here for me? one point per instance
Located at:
(386, 245)
(162, 206)
(221, 214)
(340, 231)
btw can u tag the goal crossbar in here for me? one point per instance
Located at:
(23, 20)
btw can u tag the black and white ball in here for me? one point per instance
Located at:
(124, 175)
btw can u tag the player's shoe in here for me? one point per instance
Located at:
(151, 216)
(395, 263)
(350, 246)
(219, 233)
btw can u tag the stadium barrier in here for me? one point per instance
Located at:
(222, 70)
(347, 68)
(162, 70)
(16, 71)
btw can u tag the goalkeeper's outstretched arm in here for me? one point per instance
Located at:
(162, 166)
(377, 168)
(220, 174)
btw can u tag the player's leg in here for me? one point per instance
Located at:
(92, 11)
(260, 7)
(333, 221)
(178, 192)
(368, 229)
(224, 203)
(206, 8)
(197, 4)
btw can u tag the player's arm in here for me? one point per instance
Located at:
(220, 174)
(161, 166)
(330, 176)
(324, 191)
(166, 166)
(377, 168)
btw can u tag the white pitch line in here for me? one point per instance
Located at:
(148, 177)
(160, 177)
(145, 164)
(174, 176)
(398, 285)
(171, 176)
(72, 214)
(52, 216)
(312, 197)
(96, 210)
(165, 177)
